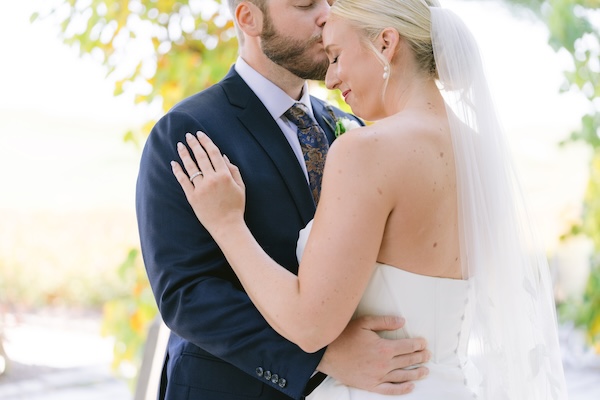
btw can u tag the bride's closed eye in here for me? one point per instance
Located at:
(334, 60)
(306, 6)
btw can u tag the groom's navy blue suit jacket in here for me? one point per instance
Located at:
(220, 346)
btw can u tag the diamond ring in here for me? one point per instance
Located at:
(195, 175)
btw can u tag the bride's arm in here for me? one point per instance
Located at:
(313, 308)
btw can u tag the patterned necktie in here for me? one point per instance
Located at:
(313, 143)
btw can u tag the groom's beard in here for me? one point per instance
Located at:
(293, 54)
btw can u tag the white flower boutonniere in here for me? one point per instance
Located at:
(344, 124)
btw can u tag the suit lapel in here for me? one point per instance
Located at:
(260, 124)
(324, 118)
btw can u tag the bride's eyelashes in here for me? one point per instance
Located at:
(334, 60)
(306, 5)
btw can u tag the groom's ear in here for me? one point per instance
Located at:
(388, 42)
(249, 18)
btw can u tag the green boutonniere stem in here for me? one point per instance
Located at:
(339, 128)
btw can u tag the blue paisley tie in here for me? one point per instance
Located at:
(314, 145)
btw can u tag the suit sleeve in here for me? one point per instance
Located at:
(197, 293)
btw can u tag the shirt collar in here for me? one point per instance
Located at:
(276, 101)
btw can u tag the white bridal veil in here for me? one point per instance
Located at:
(514, 342)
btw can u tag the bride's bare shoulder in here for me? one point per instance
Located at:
(403, 154)
(417, 125)
(399, 133)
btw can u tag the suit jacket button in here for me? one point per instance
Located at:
(282, 383)
(267, 375)
(259, 371)
(275, 378)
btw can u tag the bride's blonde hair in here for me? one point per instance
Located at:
(411, 18)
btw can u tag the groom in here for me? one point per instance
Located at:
(220, 346)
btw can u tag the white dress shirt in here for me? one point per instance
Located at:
(277, 102)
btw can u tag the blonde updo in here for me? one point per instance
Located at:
(411, 18)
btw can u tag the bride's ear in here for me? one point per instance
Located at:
(388, 41)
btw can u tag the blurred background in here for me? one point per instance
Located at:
(83, 81)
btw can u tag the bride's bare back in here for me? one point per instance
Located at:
(391, 188)
(420, 234)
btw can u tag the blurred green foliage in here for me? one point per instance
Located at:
(157, 51)
(128, 317)
(585, 311)
(574, 27)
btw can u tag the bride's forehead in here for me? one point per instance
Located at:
(334, 28)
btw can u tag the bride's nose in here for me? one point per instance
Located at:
(331, 79)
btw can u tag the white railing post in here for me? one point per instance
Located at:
(152, 362)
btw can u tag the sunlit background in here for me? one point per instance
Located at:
(67, 178)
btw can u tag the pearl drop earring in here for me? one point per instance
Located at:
(386, 72)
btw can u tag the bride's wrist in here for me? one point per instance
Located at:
(229, 229)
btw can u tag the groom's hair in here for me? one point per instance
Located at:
(259, 3)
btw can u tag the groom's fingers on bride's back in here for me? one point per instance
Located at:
(409, 345)
(410, 353)
(402, 375)
(389, 388)
(381, 323)
(400, 381)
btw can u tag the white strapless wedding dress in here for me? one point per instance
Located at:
(435, 309)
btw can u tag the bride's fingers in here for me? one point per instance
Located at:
(182, 178)
(235, 172)
(202, 158)
(191, 168)
(212, 151)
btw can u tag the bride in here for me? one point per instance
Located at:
(419, 215)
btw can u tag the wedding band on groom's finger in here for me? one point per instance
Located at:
(195, 175)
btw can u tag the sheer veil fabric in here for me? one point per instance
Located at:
(514, 342)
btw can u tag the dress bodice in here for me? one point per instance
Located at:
(435, 309)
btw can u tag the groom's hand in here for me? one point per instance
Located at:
(361, 358)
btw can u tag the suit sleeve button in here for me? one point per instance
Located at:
(259, 371)
(267, 375)
(282, 383)
(275, 378)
